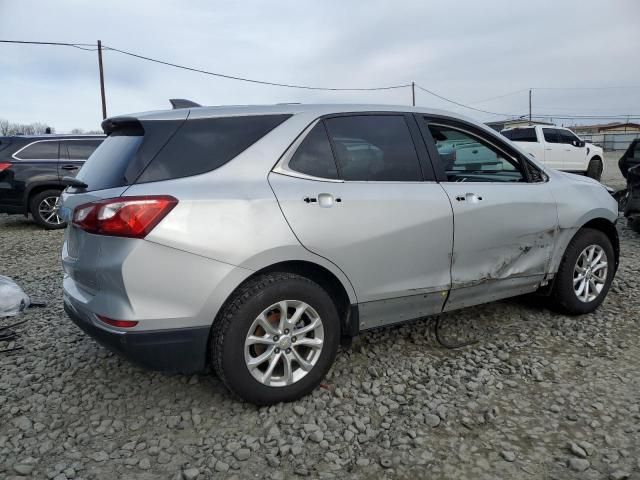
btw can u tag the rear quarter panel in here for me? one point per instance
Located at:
(579, 200)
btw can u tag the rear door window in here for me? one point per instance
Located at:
(80, 149)
(313, 156)
(550, 135)
(374, 148)
(45, 150)
(521, 135)
(203, 145)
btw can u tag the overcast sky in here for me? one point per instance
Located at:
(468, 52)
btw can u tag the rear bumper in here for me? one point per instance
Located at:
(181, 350)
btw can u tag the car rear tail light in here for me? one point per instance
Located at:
(118, 323)
(4, 166)
(132, 217)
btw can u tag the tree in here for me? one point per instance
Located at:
(37, 128)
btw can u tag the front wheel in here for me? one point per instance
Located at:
(275, 339)
(585, 273)
(594, 170)
(44, 208)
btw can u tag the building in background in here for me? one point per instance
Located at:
(613, 127)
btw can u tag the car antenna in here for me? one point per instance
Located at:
(182, 103)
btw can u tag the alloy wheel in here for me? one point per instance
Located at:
(49, 210)
(284, 343)
(590, 273)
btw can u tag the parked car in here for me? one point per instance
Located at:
(629, 165)
(254, 239)
(559, 148)
(31, 172)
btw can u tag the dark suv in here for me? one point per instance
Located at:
(31, 172)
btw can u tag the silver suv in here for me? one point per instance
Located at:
(255, 239)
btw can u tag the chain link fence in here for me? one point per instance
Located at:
(611, 141)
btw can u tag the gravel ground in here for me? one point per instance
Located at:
(540, 395)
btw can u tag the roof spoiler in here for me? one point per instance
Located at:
(125, 125)
(182, 103)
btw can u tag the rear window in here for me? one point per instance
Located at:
(203, 145)
(107, 166)
(521, 134)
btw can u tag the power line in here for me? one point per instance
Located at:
(462, 104)
(81, 46)
(545, 115)
(89, 47)
(250, 80)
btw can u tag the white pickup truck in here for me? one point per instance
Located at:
(558, 148)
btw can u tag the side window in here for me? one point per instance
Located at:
(550, 135)
(374, 148)
(81, 149)
(39, 151)
(467, 158)
(636, 151)
(565, 136)
(313, 156)
(202, 145)
(521, 134)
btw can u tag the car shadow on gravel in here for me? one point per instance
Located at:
(18, 222)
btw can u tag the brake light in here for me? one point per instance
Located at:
(132, 217)
(118, 323)
(4, 166)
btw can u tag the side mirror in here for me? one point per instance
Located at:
(579, 143)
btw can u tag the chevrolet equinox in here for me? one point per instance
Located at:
(255, 239)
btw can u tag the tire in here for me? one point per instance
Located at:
(230, 355)
(43, 208)
(634, 224)
(595, 169)
(563, 296)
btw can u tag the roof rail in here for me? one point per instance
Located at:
(182, 103)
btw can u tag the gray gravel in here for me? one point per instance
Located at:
(540, 395)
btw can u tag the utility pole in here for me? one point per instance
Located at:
(413, 93)
(104, 101)
(529, 106)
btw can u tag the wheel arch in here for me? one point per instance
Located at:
(609, 229)
(348, 312)
(36, 188)
(323, 277)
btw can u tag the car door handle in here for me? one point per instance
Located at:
(548, 148)
(325, 200)
(468, 197)
(69, 167)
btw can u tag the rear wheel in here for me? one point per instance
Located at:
(44, 209)
(275, 339)
(595, 168)
(634, 224)
(585, 274)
